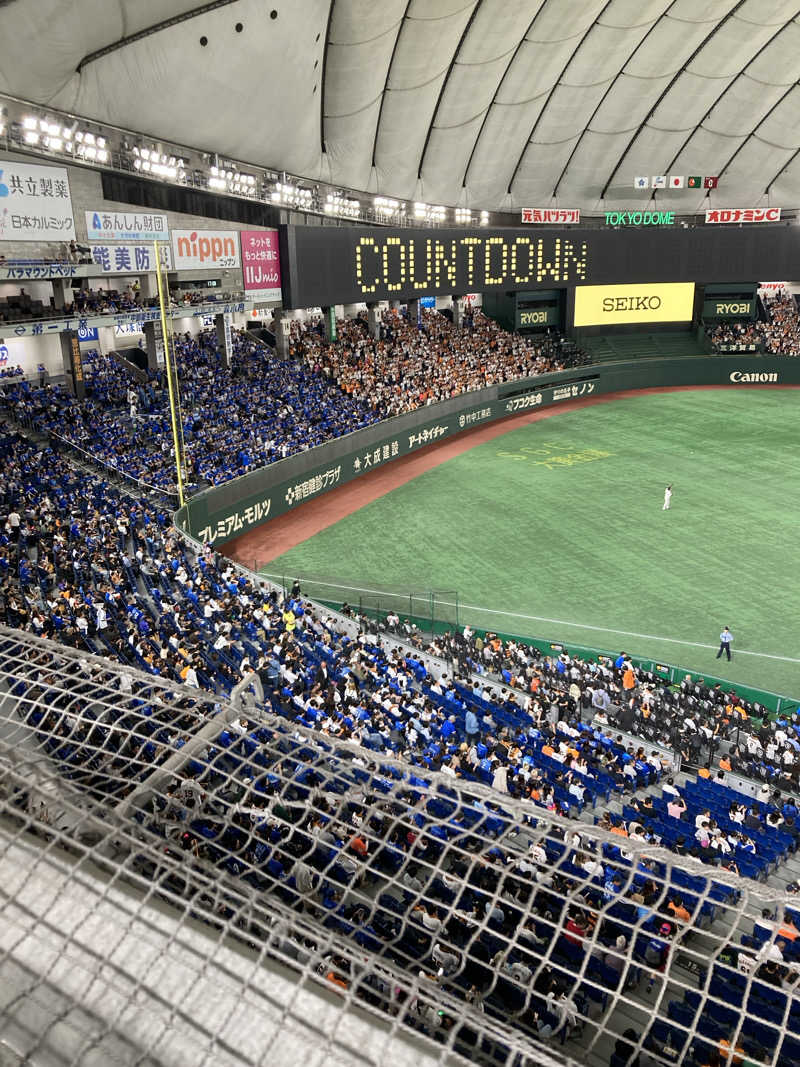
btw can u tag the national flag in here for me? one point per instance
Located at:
(695, 181)
(676, 181)
(659, 181)
(710, 183)
(640, 183)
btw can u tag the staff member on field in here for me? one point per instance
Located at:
(725, 640)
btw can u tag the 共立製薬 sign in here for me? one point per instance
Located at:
(35, 203)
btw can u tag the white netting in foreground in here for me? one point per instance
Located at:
(187, 881)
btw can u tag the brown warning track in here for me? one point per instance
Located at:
(257, 547)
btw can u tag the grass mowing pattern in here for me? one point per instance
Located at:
(563, 520)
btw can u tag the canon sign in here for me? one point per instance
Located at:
(744, 376)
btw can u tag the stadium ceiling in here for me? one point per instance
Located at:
(493, 104)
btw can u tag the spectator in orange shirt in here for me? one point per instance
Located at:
(679, 912)
(359, 845)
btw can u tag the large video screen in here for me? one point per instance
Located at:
(348, 264)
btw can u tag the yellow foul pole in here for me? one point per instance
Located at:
(174, 399)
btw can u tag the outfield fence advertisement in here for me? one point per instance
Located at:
(226, 511)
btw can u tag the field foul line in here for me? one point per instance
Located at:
(609, 630)
(537, 618)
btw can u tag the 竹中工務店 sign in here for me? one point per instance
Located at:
(128, 259)
(126, 225)
(195, 249)
(601, 305)
(261, 264)
(35, 203)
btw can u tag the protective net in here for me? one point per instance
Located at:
(391, 608)
(189, 880)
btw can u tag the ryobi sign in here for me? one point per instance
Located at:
(607, 305)
(540, 316)
(729, 309)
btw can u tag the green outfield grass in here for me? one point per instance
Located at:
(558, 527)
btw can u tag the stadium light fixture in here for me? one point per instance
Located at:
(388, 206)
(339, 204)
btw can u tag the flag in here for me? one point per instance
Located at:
(640, 183)
(710, 183)
(676, 181)
(695, 181)
(659, 181)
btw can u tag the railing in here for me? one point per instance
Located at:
(170, 495)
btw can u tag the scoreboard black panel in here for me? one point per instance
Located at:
(325, 265)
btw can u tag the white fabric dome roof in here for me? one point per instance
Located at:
(494, 104)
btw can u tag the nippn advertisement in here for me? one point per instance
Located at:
(196, 249)
(607, 305)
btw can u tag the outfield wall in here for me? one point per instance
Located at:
(226, 511)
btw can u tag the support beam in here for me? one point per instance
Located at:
(73, 364)
(222, 325)
(154, 345)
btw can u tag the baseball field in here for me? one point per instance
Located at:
(556, 529)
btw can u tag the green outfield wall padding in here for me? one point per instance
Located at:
(226, 511)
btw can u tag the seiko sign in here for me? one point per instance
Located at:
(744, 376)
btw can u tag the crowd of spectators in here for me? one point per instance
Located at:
(234, 420)
(731, 335)
(711, 726)
(263, 408)
(778, 335)
(104, 572)
(90, 301)
(412, 364)
(84, 563)
(782, 330)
